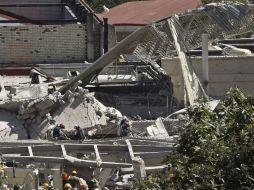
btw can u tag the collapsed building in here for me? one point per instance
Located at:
(28, 107)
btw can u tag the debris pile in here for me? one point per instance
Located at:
(78, 108)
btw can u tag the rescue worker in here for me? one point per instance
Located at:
(46, 186)
(65, 178)
(74, 181)
(16, 187)
(1, 170)
(79, 133)
(58, 133)
(67, 186)
(3, 177)
(124, 126)
(93, 183)
(83, 184)
(51, 126)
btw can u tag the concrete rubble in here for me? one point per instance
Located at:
(30, 110)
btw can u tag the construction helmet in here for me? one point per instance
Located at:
(67, 186)
(45, 185)
(74, 172)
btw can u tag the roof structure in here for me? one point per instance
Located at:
(147, 12)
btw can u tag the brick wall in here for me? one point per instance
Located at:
(33, 44)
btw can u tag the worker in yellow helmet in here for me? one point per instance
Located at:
(46, 186)
(67, 186)
(1, 169)
(74, 180)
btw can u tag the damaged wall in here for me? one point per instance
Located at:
(43, 43)
(224, 73)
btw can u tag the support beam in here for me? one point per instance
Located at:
(75, 148)
(42, 22)
(192, 86)
(97, 154)
(13, 15)
(130, 149)
(106, 59)
(90, 37)
(67, 160)
(63, 150)
(149, 170)
(205, 67)
(57, 177)
(33, 5)
(139, 168)
(30, 151)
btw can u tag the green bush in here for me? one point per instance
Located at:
(216, 151)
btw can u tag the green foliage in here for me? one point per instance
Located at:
(150, 183)
(227, 1)
(216, 152)
(96, 5)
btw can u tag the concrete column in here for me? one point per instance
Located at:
(90, 37)
(57, 177)
(139, 168)
(205, 71)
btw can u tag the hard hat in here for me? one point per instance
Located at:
(45, 185)
(124, 117)
(67, 186)
(74, 172)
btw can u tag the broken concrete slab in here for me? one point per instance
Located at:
(11, 127)
(157, 130)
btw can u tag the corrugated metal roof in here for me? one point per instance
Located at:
(146, 12)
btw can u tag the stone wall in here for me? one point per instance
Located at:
(32, 44)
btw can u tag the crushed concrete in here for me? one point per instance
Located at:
(30, 118)
(160, 128)
(11, 127)
(79, 108)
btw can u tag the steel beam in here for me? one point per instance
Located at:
(84, 148)
(93, 70)
(34, 5)
(40, 22)
(68, 159)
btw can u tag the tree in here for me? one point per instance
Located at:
(216, 151)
